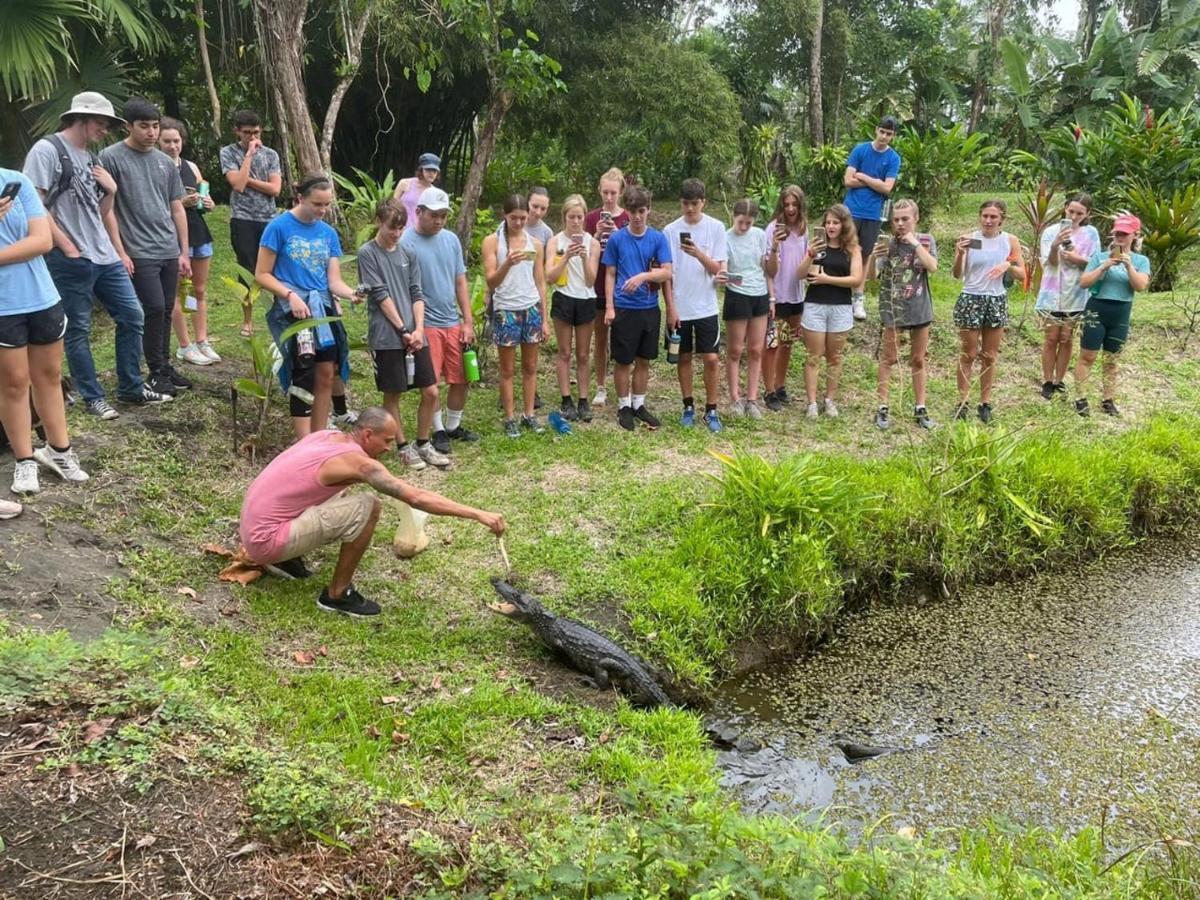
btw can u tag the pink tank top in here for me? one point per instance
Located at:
(286, 488)
(410, 197)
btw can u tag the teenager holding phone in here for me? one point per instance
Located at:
(981, 259)
(747, 306)
(1065, 252)
(1113, 277)
(602, 223)
(573, 260)
(788, 232)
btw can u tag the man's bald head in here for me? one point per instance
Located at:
(375, 430)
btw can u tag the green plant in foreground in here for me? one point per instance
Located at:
(364, 196)
(1171, 225)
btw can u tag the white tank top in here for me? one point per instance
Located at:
(518, 290)
(576, 286)
(979, 262)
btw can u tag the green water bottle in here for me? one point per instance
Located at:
(471, 365)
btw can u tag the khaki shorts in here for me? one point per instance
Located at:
(341, 518)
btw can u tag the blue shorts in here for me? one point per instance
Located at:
(204, 251)
(513, 327)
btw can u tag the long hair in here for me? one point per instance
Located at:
(848, 237)
(797, 193)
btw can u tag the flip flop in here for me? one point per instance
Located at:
(246, 331)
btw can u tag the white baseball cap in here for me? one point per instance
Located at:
(434, 199)
(91, 103)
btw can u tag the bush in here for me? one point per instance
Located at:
(362, 197)
(940, 163)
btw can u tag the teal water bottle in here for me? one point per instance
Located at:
(202, 193)
(673, 342)
(471, 365)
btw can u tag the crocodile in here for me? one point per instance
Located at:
(602, 660)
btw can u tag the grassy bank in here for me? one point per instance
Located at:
(441, 749)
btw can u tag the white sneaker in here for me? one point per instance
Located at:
(811, 412)
(25, 477)
(346, 419)
(64, 465)
(411, 458)
(737, 408)
(831, 409)
(101, 408)
(753, 410)
(9, 509)
(860, 308)
(430, 454)
(207, 349)
(601, 398)
(194, 355)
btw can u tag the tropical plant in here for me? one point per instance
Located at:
(1039, 209)
(819, 170)
(1170, 225)
(363, 196)
(940, 162)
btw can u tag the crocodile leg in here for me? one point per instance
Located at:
(599, 677)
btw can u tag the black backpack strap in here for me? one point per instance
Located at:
(65, 176)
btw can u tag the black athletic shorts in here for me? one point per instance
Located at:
(699, 335)
(572, 310)
(746, 306)
(46, 326)
(245, 235)
(784, 311)
(634, 334)
(868, 234)
(391, 370)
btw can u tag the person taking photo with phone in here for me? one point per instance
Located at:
(1066, 249)
(788, 232)
(572, 261)
(602, 223)
(514, 266)
(982, 259)
(747, 306)
(1113, 278)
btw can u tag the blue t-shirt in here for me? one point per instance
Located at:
(863, 202)
(632, 255)
(302, 251)
(25, 287)
(1114, 284)
(440, 258)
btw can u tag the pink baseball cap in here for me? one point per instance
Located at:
(1127, 223)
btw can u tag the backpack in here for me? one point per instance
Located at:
(68, 170)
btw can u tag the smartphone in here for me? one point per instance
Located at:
(975, 243)
(1114, 250)
(685, 237)
(818, 234)
(10, 191)
(576, 239)
(735, 280)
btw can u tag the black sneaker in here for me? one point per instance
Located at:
(351, 603)
(533, 424)
(1059, 387)
(772, 402)
(921, 415)
(177, 381)
(962, 412)
(569, 411)
(985, 413)
(537, 400)
(781, 395)
(291, 569)
(882, 422)
(625, 418)
(160, 384)
(460, 434)
(1047, 390)
(584, 410)
(1109, 408)
(147, 397)
(646, 416)
(440, 441)
(1081, 407)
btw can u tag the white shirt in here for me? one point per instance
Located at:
(695, 290)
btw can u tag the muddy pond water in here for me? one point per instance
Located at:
(1058, 701)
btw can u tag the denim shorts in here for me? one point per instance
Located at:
(204, 251)
(829, 318)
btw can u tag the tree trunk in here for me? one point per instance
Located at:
(816, 105)
(281, 26)
(1089, 21)
(206, 64)
(979, 91)
(354, 40)
(500, 103)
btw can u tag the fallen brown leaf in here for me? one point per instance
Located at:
(436, 684)
(230, 610)
(399, 737)
(372, 731)
(74, 770)
(146, 840)
(93, 731)
(323, 650)
(188, 592)
(389, 701)
(245, 850)
(216, 549)
(304, 657)
(189, 662)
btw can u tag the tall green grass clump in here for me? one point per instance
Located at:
(781, 547)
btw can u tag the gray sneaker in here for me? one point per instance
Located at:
(811, 412)
(430, 454)
(752, 409)
(101, 409)
(882, 422)
(831, 408)
(411, 457)
(737, 408)
(65, 465)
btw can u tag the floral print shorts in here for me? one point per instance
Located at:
(976, 311)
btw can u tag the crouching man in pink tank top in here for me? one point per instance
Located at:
(299, 502)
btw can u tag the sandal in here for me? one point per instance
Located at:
(247, 331)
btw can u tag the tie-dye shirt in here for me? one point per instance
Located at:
(1060, 290)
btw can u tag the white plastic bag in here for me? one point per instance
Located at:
(410, 537)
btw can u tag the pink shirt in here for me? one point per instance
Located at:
(286, 488)
(409, 199)
(789, 286)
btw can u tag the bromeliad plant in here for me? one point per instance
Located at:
(1171, 225)
(362, 197)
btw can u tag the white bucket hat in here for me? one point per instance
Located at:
(91, 103)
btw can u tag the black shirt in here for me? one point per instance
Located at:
(836, 262)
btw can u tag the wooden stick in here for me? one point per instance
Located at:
(504, 556)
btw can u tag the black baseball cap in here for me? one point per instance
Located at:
(888, 122)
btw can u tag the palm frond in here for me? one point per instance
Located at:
(34, 41)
